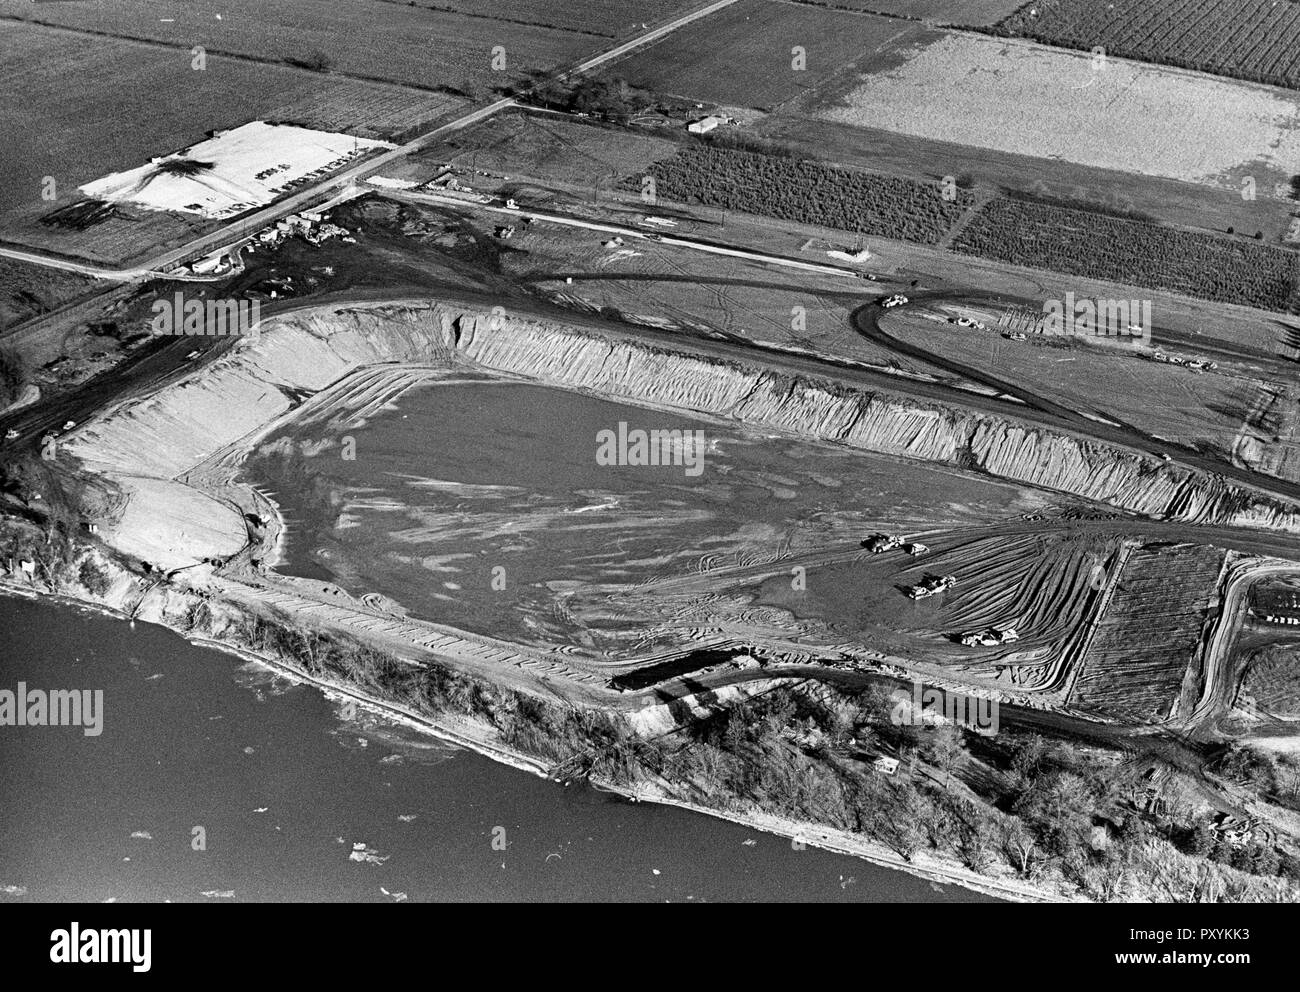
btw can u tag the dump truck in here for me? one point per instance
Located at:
(880, 543)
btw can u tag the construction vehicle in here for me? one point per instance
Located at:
(990, 638)
(932, 585)
(1015, 335)
(880, 543)
(968, 322)
(915, 548)
(897, 300)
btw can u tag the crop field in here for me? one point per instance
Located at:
(551, 147)
(1198, 264)
(744, 55)
(1151, 631)
(957, 12)
(126, 234)
(27, 290)
(1247, 39)
(810, 193)
(68, 131)
(605, 18)
(1166, 200)
(368, 110)
(419, 46)
(1029, 99)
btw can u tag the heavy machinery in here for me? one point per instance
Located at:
(932, 585)
(880, 543)
(993, 637)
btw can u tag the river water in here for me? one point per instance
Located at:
(300, 799)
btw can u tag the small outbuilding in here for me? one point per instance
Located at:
(705, 124)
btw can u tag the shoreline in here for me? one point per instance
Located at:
(814, 835)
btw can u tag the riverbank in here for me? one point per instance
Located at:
(466, 734)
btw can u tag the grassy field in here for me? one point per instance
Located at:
(27, 290)
(1246, 39)
(1029, 99)
(361, 38)
(743, 55)
(1206, 266)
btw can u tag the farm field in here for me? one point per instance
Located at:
(28, 291)
(1029, 99)
(432, 49)
(1151, 631)
(1247, 39)
(810, 192)
(66, 130)
(367, 110)
(742, 55)
(1180, 203)
(1194, 263)
(605, 18)
(552, 147)
(956, 12)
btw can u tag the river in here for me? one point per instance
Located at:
(300, 797)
